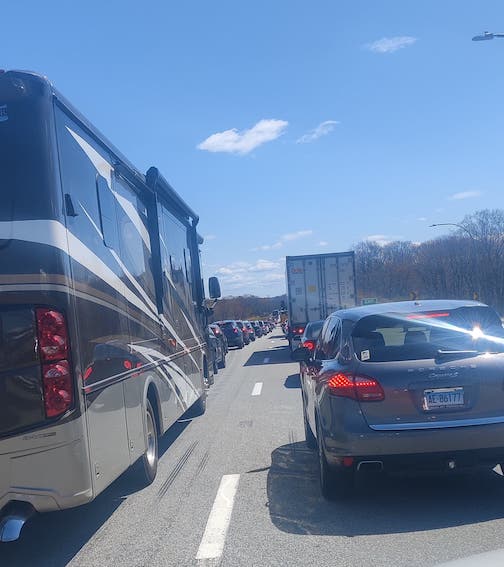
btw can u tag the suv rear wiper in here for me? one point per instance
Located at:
(455, 353)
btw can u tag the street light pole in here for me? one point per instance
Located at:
(486, 36)
(471, 236)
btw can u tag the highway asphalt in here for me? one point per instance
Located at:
(238, 487)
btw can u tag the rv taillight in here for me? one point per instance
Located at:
(58, 389)
(53, 348)
(52, 335)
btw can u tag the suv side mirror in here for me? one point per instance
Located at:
(214, 287)
(301, 354)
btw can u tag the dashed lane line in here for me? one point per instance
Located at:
(214, 538)
(256, 391)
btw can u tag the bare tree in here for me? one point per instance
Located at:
(466, 264)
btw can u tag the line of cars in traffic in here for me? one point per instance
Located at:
(405, 386)
(236, 333)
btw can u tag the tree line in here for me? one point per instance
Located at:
(466, 264)
(246, 307)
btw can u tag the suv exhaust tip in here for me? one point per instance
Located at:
(371, 466)
(14, 517)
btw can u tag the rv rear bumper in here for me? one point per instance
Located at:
(48, 469)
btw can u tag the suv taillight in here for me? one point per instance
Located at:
(53, 351)
(356, 387)
(235, 330)
(298, 330)
(309, 344)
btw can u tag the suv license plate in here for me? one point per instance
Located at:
(443, 398)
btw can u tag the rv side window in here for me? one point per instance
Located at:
(108, 217)
(187, 265)
(79, 177)
(175, 257)
(134, 240)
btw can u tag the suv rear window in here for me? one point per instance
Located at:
(227, 324)
(312, 330)
(394, 337)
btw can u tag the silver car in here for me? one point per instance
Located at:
(404, 385)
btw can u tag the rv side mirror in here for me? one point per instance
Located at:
(301, 354)
(214, 287)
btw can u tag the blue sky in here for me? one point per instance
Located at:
(291, 127)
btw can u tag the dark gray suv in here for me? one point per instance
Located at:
(233, 332)
(404, 385)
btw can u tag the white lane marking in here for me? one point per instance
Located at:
(257, 389)
(212, 543)
(266, 360)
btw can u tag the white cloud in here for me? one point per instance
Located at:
(284, 238)
(243, 267)
(390, 44)
(296, 235)
(209, 237)
(263, 266)
(236, 142)
(323, 243)
(380, 239)
(464, 195)
(422, 219)
(322, 129)
(224, 271)
(251, 277)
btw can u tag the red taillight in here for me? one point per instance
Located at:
(361, 388)
(235, 330)
(435, 315)
(341, 385)
(58, 389)
(368, 389)
(53, 349)
(310, 345)
(298, 330)
(52, 335)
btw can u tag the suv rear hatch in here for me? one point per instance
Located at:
(433, 374)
